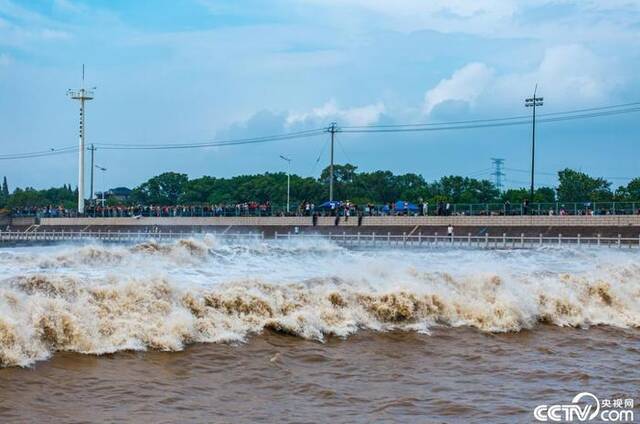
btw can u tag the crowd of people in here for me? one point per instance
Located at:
(119, 211)
(334, 208)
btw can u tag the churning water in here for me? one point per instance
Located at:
(405, 326)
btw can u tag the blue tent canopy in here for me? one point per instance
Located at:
(332, 204)
(402, 206)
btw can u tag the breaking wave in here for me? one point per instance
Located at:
(97, 299)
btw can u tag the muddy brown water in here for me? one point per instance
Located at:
(453, 375)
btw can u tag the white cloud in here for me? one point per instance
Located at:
(363, 115)
(578, 20)
(567, 75)
(466, 84)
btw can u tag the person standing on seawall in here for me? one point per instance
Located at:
(450, 232)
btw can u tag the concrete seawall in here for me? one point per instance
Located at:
(369, 221)
(586, 226)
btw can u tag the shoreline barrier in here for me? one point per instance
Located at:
(352, 240)
(325, 221)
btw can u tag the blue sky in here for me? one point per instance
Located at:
(200, 70)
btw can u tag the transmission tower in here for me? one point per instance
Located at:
(82, 95)
(498, 173)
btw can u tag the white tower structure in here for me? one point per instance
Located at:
(81, 95)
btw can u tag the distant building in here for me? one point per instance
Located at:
(120, 194)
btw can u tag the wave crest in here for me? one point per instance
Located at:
(41, 314)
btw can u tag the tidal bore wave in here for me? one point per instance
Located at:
(97, 299)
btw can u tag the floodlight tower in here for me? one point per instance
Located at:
(82, 95)
(533, 102)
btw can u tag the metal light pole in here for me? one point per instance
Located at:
(81, 95)
(332, 129)
(288, 179)
(533, 102)
(103, 170)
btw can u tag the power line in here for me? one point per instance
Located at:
(585, 113)
(41, 153)
(555, 174)
(117, 146)
(322, 149)
(344, 151)
(519, 117)
(214, 143)
(490, 124)
(485, 171)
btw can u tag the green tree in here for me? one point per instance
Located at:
(540, 195)
(577, 186)
(458, 189)
(630, 193)
(375, 187)
(165, 189)
(343, 179)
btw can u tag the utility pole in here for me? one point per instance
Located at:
(533, 102)
(81, 95)
(498, 173)
(92, 149)
(332, 130)
(288, 179)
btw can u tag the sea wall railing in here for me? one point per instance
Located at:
(357, 240)
(114, 236)
(372, 240)
(430, 209)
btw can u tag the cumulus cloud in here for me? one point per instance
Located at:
(330, 111)
(466, 84)
(567, 75)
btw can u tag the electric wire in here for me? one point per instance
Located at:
(569, 112)
(491, 124)
(585, 113)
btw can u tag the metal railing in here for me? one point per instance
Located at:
(369, 240)
(374, 240)
(430, 209)
(114, 236)
(554, 208)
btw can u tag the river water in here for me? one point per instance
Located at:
(202, 330)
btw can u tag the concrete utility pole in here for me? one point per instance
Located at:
(288, 179)
(332, 130)
(533, 102)
(498, 173)
(81, 95)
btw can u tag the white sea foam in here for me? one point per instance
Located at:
(99, 299)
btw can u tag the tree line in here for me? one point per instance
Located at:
(377, 187)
